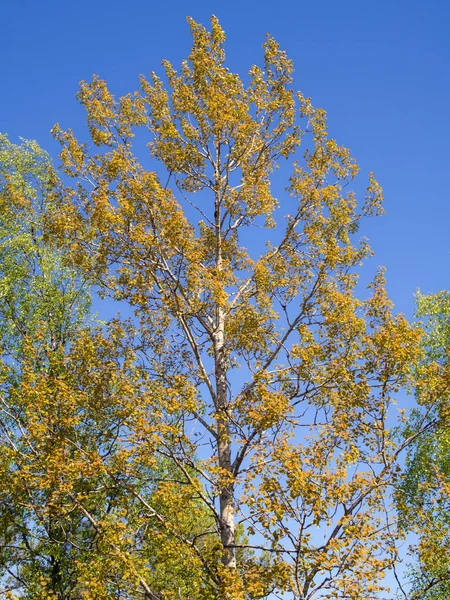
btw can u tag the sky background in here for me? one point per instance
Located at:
(380, 69)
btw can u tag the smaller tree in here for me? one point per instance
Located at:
(75, 486)
(424, 496)
(264, 361)
(43, 304)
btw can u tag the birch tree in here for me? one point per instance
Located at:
(263, 360)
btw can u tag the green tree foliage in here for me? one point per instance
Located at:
(424, 496)
(36, 291)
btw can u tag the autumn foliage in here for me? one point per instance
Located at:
(235, 436)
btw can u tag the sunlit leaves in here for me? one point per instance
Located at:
(423, 496)
(258, 358)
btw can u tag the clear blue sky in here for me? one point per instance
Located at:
(381, 70)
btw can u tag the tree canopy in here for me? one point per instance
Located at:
(236, 437)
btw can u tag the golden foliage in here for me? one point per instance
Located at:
(262, 363)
